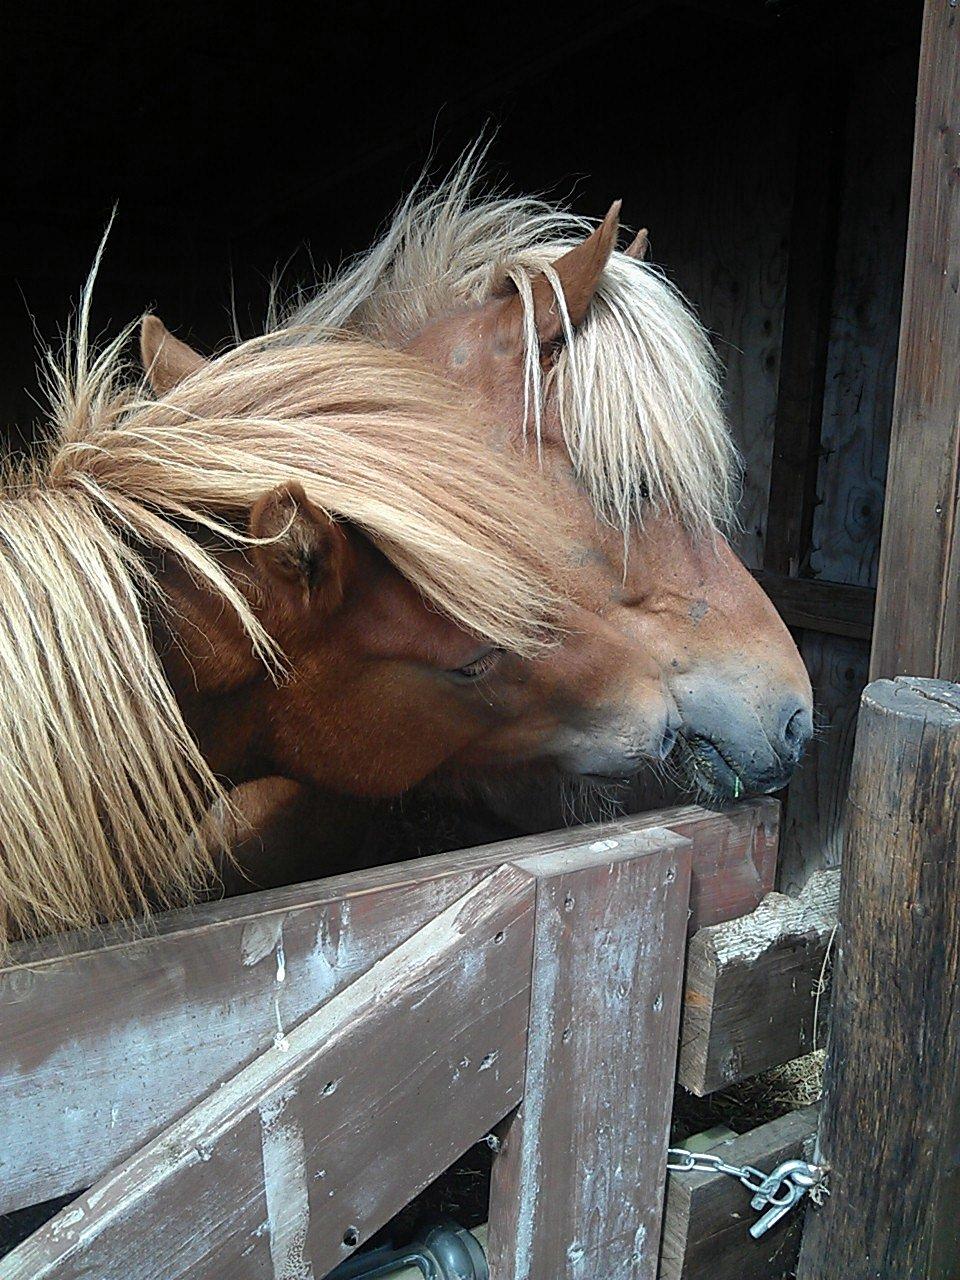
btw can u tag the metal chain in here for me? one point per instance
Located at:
(682, 1161)
(774, 1193)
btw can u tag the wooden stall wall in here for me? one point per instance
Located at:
(727, 221)
(718, 218)
(861, 361)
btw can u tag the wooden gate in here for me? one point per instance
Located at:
(255, 1087)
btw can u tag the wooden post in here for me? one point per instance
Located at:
(578, 1187)
(890, 1128)
(917, 625)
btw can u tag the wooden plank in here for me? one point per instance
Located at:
(314, 1145)
(857, 411)
(140, 1027)
(836, 608)
(917, 626)
(719, 220)
(806, 325)
(890, 1128)
(578, 1185)
(865, 315)
(102, 1050)
(751, 985)
(708, 1215)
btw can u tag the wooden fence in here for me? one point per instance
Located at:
(254, 1088)
(257, 1086)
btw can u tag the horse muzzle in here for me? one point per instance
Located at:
(749, 758)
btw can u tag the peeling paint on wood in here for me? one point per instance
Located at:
(144, 1025)
(279, 1175)
(578, 1183)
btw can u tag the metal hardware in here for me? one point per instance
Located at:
(442, 1251)
(776, 1193)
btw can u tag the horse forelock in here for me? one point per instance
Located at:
(373, 437)
(637, 384)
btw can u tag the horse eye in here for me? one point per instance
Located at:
(480, 665)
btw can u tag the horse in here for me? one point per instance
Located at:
(594, 371)
(296, 563)
(602, 379)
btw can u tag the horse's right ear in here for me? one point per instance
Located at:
(166, 360)
(578, 274)
(305, 555)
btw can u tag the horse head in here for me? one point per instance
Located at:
(384, 688)
(295, 562)
(594, 371)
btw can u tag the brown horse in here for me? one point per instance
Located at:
(595, 372)
(297, 562)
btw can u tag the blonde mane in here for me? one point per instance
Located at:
(637, 385)
(103, 791)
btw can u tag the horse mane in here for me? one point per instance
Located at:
(104, 795)
(637, 385)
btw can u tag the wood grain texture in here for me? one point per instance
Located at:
(864, 320)
(814, 810)
(135, 1030)
(890, 1127)
(578, 1186)
(719, 219)
(918, 593)
(803, 357)
(832, 607)
(857, 405)
(313, 1146)
(707, 1216)
(751, 985)
(102, 1050)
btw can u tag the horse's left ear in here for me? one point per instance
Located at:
(305, 555)
(166, 360)
(579, 272)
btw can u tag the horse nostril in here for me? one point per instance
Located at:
(797, 730)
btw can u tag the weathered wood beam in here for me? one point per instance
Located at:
(578, 1186)
(917, 628)
(321, 1139)
(837, 608)
(806, 323)
(136, 1028)
(708, 1215)
(890, 1127)
(750, 996)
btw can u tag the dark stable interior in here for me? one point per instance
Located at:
(232, 141)
(235, 139)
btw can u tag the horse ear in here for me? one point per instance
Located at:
(306, 556)
(579, 272)
(166, 360)
(639, 245)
